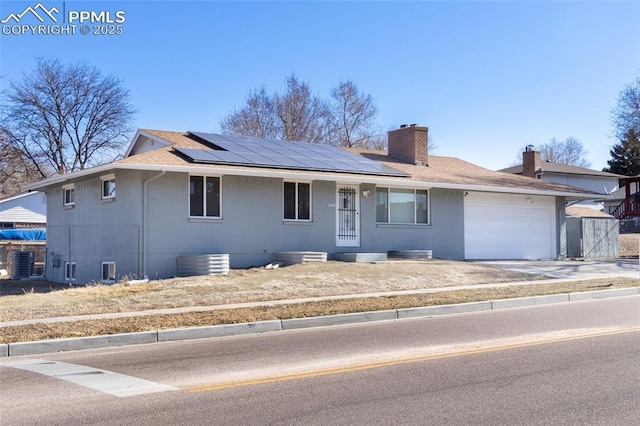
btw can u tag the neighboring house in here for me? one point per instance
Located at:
(178, 193)
(580, 177)
(615, 200)
(23, 218)
(26, 210)
(624, 204)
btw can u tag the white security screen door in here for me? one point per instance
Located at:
(348, 216)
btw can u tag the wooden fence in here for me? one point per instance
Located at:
(593, 237)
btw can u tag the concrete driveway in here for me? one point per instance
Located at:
(574, 269)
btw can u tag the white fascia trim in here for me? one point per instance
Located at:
(60, 179)
(478, 188)
(304, 175)
(140, 132)
(15, 197)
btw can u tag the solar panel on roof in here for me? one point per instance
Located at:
(255, 152)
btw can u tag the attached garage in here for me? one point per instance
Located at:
(509, 226)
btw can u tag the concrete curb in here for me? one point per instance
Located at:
(77, 343)
(519, 302)
(459, 308)
(353, 318)
(218, 331)
(94, 342)
(602, 294)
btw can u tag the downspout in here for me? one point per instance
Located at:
(145, 209)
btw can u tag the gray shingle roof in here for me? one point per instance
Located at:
(551, 167)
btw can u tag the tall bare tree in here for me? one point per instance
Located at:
(295, 115)
(351, 117)
(256, 118)
(65, 118)
(14, 171)
(625, 115)
(301, 114)
(570, 151)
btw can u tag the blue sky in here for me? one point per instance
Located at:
(486, 77)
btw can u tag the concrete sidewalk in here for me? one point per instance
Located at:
(227, 330)
(273, 302)
(564, 271)
(572, 269)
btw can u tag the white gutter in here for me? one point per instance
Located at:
(401, 182)
(144, 219)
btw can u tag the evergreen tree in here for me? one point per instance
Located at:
(625, 156)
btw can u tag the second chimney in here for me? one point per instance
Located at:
(530, 161)
(409, 143)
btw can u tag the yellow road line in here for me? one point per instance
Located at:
(398, 361)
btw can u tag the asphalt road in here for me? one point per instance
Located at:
(574, 363)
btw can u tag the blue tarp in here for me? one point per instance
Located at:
(23, 234)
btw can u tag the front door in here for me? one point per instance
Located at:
(347, 216)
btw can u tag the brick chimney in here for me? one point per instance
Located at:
(530, 161)
(409, 143)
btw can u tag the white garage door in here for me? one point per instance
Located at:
(509, 226)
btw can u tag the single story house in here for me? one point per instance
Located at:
(23, 218)
(25, 210)
(592, 180)
(180, 193)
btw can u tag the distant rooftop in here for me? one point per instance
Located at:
(551, 167)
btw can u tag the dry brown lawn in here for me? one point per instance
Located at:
(260, 284)
(629, 245)
(251, 285)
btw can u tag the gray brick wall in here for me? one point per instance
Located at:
(95, 230)
(251, 229)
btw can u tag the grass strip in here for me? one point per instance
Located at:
(84, 328)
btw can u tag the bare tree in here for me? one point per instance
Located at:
(570, 151)
(625, 115)
(302, 115)
(351, 117)
(65, 118)
(256, 118)
(14, 171)
(295, 115)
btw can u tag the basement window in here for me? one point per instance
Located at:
(108, 272)
(69, 271)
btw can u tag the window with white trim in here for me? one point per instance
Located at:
(297, 200)
(108, 187)
(70, 271)
(68, 195)
(204, 196)
(401, 205)
(108, 274)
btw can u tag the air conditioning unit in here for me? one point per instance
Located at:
(22, 264)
